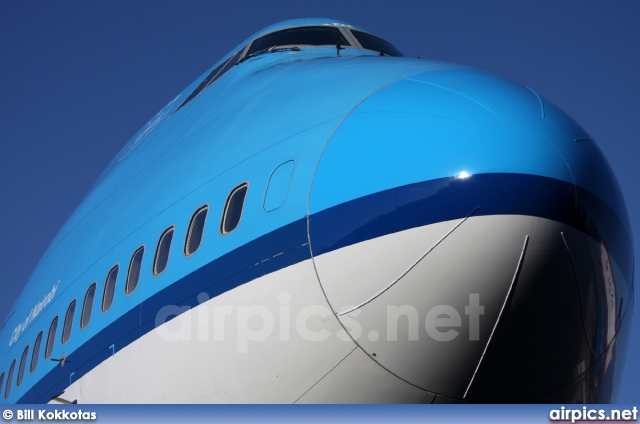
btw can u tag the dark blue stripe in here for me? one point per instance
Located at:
(362, 219)
(444, 199)
(226, 273)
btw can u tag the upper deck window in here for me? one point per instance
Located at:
(377, 44)
(300, 36)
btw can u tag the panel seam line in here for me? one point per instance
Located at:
(504, 304)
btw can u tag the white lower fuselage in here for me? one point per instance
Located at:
(282, 337)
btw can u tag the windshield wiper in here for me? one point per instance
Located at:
(271, 49)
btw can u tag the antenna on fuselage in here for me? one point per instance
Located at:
(62, 360)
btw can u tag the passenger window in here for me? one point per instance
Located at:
(233, 209)
(7, 390)
(162, 251)
(109, 288)
(68, 321)
(36, 352)
(134, 271)
(87, 306)
(51, 338)
(1, 381)
(195, 231)
(23, 363)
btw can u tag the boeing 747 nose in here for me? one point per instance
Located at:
(468, 230)
(320, 219)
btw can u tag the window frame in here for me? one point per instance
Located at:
(171, 229)
(187, 238)
(127, 292)
(84, 325)
(225, 211)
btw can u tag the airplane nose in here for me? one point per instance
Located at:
(472, 240)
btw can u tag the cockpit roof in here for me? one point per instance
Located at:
(295, 35)
(292, 33)
(291, 23)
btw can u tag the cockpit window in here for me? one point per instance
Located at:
(371, 42)
(219, 71)
(300, 36)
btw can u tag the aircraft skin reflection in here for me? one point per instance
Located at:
(320, 219)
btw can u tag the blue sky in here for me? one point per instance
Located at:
(78, 78)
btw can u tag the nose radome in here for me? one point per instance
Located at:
(440, 214)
